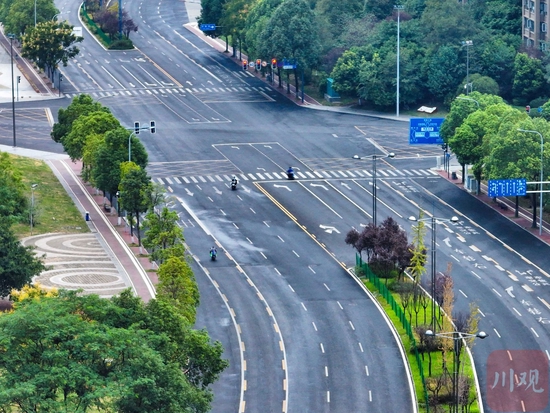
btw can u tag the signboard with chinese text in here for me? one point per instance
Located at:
(506, 187)
(425, 131)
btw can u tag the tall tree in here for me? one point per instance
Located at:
(529, 82)
(49, 44)
(135, 194)
(81, 105)
(18, 15)
(162, 232)
(18, 264)
(12, 200)
(211, 13)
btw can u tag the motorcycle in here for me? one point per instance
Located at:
(234, 185)
(213, 255)
(290, 175)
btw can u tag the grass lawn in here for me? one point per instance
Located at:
(436, 356)
(56, 211)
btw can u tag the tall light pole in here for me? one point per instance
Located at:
(398, 8)
(374, 197)
(34, 13)
(458, 340)
(467, 44)
(541, 175)
(33, 187)
(11, 36)
(433, 220)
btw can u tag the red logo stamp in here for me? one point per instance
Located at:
(517, 381)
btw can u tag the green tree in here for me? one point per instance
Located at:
(256, 22)
(49, 44)
(346, 70)
(443, 72)
(234, 19)
(12, 200)
(529, 82)
(81, 105)
(93, 123)
(177, 285)
(291, 33)
(135, 194)
(18, 15)
(162, 232)
(81, 353)
(111, 152)
(18, 264)
(211, 13)
(483, 84)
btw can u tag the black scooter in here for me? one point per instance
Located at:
(290, 175)
(213, 255)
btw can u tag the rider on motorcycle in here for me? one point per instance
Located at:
(234, 180)
(290, 173)
(213, 252)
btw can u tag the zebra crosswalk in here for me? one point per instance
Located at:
(277, 176)
(175, 91)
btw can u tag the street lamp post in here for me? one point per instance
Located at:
(33, 187)
(541, 175)
(398, 8)
(458, 340)
(118, 205)
(11, 36)
(467, 44)
(470, 99)
(374, 195)
(433, 221)
(34, 13)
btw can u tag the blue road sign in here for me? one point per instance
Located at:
(289, 64)
(207, 27)
(425, 131)
(507, 187)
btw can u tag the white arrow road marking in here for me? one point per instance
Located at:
(363, 225)
(329, 229)
(246, 189)
(216, 190)
(261, 169)
(322, 186)
(346, 185)
(188, 192)
(283, 186)
(267, 146)
(509, 291)
(235, 147)
(447, 242)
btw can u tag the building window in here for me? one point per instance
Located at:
(543, 8)
(542, 46)
(543, 27)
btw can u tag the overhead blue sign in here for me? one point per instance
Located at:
(289, 64)
(425, 131)
(207, 27)
(506, 187)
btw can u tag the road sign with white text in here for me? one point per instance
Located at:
(207, 27)
(425, 131)
(506, 187)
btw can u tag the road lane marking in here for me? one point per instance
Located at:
(534, 332)
(249, 241)
(312, 270)
(462, 292)
(328, 396)
(498, 335)
(340, 305)
(367, 370)
(277, 271)
(303, 305)
(326, 286)
(527, 288)
(266, 224)
(352, 326)
(314, 326)
(322, 348)
(263, 255)
(295, 253)
(476, 275)
(497, 293)
(361, 347)
(517, 312)
(235, 225)
(326, 371)
(291, 289)
(480, 312)
(282, 240)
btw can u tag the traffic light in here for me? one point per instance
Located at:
(274, 64)
(60, 77)
(444, 147)
(152, 128)
(245, 65)
(136, 128)
(258, 64)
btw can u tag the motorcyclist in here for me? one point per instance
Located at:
(290, 172)
(213, 252)
(234, 181)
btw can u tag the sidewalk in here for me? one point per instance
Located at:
(115, 239)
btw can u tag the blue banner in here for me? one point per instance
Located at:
(506, 187)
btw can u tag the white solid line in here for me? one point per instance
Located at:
(497, 293)
(518, 313)
(277, 271)
(291, 289)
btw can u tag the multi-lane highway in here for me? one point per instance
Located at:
(300, 333)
